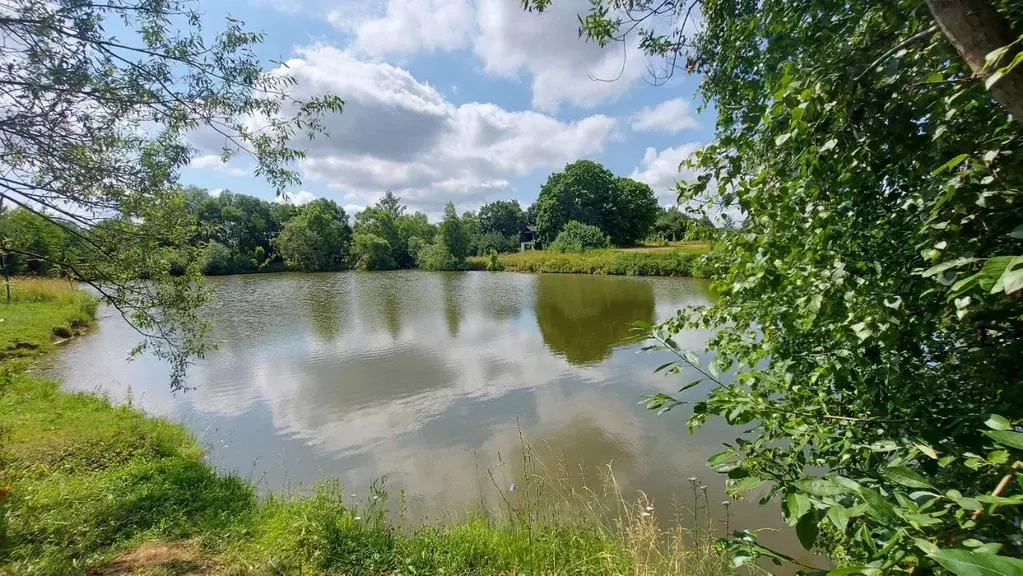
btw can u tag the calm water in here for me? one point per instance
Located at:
(426, 378)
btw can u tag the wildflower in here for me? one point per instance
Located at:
(649, 508)
(726, 503)
(511, 487)
(358, 518)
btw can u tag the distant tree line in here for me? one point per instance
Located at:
(582, 207)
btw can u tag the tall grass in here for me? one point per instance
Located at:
(678, 261)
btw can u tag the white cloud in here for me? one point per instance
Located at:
(214, 162)
(407, 26)
(215, 192)
(547, 47)
(660, 170)
(352, 209)
(671, 116)
(300, 198)
(399, 133)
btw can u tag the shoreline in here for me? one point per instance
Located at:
(92, 486)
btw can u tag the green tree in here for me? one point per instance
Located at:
(503, 217)
(319, 238)
(452, 234)
(373, 253)
(97, 121)
(589, 193)
(869, 311)
(579, 192)
(636, 204)
(671, 224)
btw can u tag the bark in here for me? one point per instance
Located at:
(976, 29)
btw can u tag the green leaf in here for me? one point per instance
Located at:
(1006, 438)
(720, 458)
(820, 487)
(1017, 232)
(839, 517)
(782, 139)
(828, 145)
(692, 358)
(967, 563)
(937, 269)
(925, 448)
(807, 530)
(906, 477)
(997, 422)
(878, 507)
(951, 164)
(795, 507)
(746, 484)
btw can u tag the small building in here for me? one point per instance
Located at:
(527, 239)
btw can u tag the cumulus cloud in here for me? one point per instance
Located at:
(407, 26)
(660, 170)
(300, 198)
(402, 134)
(512, 42)
(671, 116)
(215, 192)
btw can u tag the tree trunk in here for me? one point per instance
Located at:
(976, 29)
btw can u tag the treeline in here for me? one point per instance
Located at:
(580, 208)
(246, 234)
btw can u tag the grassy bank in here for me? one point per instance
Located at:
(93, 487)
(679, 260)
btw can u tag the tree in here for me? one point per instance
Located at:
(452, 234)
(373, 253)
(671, 224)
(869, 314)
(95, 128)
(635, 206)
(579, 192)
(589, 193)
(503, 217)
(319, 238)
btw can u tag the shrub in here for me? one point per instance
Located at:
(578, 237)
(436, 256)
(219, 259)
(494, 265)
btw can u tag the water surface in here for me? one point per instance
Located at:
(428, 378)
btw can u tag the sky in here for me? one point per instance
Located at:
(468, 101)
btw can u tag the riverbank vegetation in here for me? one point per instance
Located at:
(89, 486)
(684, 260)
(869, 314)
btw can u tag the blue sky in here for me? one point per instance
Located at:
(462, 100)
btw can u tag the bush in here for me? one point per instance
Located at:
(219, 259)
(373, 253)
(493, 264)
(579, 237)
(436, 256)
(483, 244)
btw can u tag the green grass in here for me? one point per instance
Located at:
(41, 311)
(89, 486)
(678, 260)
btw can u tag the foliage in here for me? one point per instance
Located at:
(319, 238)
(869, 315)
(219, 259)
(688, 261)
(493, 263)
(452, 234)
(671, 224)
(101, 100)
(578, 237)
(589, 193)
(373, 253)
(482, 244)
(504, 217)
(388, 220)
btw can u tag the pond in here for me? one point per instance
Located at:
(429, 379)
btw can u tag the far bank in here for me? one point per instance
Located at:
(676, 260)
